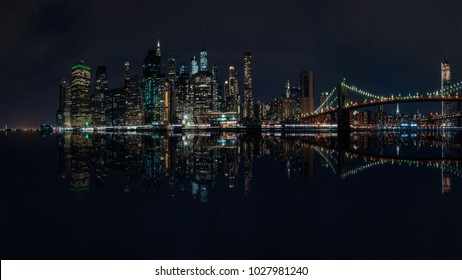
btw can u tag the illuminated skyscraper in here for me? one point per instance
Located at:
(172, 75)
(287, 92)
(203, 96)
(217, 105)
(226, 98)
(233, 95)
(152, 87)
(307, 92)
(248, 97)
(182, 89)
(101, 88)
(80, 95)
(194, 66)
(133, 98)
(63, 112)
(203, 60)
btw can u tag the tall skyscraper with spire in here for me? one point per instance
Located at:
(80, 95)
(248, 96)
(152, 86)
(202, 88)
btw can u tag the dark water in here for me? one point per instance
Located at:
(229, 196)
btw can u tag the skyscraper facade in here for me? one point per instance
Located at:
(217, 105)
(182, 90)
(152, 87)
(248, 96)
(307, 92)
(63, 112)
(233, 95)
(97, 99)
(80, 109)
(134, 100)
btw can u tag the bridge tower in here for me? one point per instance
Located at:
(343, 113)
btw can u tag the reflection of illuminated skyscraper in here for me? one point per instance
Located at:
(307, 158)
(80, 162)
(152, 162)
(248, 162)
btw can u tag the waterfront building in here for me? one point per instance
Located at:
(152, 87)
(80, 109)
(307, 92)
(133, 102)
(63, 112)
(248, 96)
(97, 99)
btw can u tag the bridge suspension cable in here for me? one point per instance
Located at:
(322, 106)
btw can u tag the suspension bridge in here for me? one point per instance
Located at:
(339, 102)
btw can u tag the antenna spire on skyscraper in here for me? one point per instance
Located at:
(158, 44)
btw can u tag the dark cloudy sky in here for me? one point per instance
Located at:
(380, 46)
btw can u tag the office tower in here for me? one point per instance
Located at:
(63, 112)
(288, 104)
(115, 103)
(133, 101)
(203, 97)
(80, 95)
(171, 74)
(226, 97)
(194, 66)
(152, 87)
(167, 113)
(248, 96)
(233, 96)
(101, 87)
(217, 105)
(203, 60)
(307, 89)
(182, 90)
(287, 91)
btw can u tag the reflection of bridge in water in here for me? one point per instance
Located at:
(338, 157)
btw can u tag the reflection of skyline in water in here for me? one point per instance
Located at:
(192, 163)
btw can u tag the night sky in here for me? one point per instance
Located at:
(380, 46)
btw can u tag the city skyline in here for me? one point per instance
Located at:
(280, 45)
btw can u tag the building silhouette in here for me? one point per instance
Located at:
(307, 92)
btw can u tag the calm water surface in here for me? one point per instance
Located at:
(231, 196)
